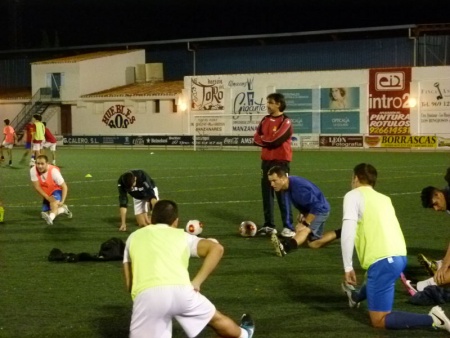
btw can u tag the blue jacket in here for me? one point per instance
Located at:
(306, 197)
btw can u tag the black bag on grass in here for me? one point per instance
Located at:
(112, 250)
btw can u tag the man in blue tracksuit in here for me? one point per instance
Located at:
(313, 207)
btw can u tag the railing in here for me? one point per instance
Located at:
(37, 105)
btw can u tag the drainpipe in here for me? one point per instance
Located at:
(415, 47)
(193, 54)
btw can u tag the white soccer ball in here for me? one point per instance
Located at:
(194, 227)
(248, 229)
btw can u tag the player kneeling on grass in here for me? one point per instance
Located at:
(313, 207)
(143, 189)
(156, 260)
(371, 226)
(49, 183)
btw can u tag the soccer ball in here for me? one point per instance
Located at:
(194, 227)
(248, 229)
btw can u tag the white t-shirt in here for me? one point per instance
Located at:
(353, 211)
(56, 175)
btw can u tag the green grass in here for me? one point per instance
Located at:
(295, 296)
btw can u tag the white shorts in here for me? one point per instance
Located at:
(7, 145)
(36, 146)
(142, 206)
(153, 310)
(51, 146)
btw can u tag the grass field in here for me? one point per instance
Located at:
(295, 296)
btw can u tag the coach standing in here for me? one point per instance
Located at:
(273, 135)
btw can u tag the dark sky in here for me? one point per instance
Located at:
(36, 23)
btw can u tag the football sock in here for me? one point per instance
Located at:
(290, 244)
(52, 216)
(338, 233)
(360, 295)
(404, 320)
(424, 283)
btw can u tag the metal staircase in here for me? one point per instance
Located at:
(37, 105)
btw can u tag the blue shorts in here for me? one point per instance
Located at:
(57, 194)
(380, 285)
(317, 226)
(27, 145)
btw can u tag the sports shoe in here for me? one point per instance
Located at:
(288, 233)
(277, 245)
(408, 285)
(429, 265)
(67, 211)
(440, 320)
(349, 290)
(266, 231)
(248, 324)
(47, 218)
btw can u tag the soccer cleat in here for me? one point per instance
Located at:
(67, 211)
(349, 290)
(288, 233)
(266, 231)
(277, 245)
(248, 324)
(440, 320)
(429, 265)
(408, 285)
(47, 218)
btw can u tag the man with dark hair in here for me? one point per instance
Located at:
(50, 143)
(28, 138)
(9, 139)
(370, 225)
(437, 199)
(37, 136)
(49, 183)
(155, 263)
(273, 135)
(313, 208)
(143, 189)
